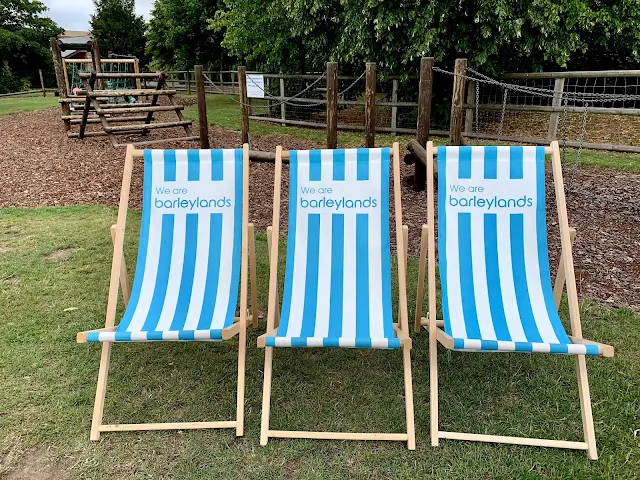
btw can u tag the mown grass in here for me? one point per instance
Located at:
(47, 385)
(25, 103)
(224, 112)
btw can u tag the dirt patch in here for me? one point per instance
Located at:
(35, 465)
(41, 166)
(62, 254)
(4, 249)
(9, 281)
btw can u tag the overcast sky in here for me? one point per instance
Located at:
(75, 14)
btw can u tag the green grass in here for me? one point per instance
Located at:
(48, 385)
(224, 112)
(25, 103)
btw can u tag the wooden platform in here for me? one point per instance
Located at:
(138, 117)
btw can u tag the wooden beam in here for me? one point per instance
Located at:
(244, 108)
(130, 93)
(424, 118)
(370, 107)
(132, 427)
(61, 74)
(124, 128)
(201, 95)
(457, 102)
(332, 105)
(85, 112)
(120, 75)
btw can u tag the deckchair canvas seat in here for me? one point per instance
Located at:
(193, 252)
(494, 269)
(337, 286)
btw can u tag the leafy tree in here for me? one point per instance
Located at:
(24, 44)
(118, 28)
(495, 35)
(179, 38)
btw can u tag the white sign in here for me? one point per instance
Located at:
(255, 86)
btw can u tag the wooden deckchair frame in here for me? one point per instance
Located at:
(401, 328)
(119, 277)
(565, 276)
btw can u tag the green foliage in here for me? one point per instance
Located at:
(495, 35)
(24, 44)
(179, 38)
(118, 29)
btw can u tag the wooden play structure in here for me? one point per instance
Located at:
(110, 91)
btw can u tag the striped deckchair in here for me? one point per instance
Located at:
(494, 269)
(337, 288)
(195, 243)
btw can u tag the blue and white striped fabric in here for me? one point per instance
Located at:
(337, 289)
(494, 265)
(188, 270)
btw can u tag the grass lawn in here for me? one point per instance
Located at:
(25, 103)
(224, 112)
(54, 267)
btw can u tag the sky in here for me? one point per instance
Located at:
(75, 14)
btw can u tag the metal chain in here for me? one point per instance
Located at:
(477, 106)
(276, 104)
(543, 92)
(288, 100)
(504, 108)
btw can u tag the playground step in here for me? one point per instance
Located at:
(121, 128)
(164, 140)
(127, 93)
(141, 118)
(143, 108)
(121, 75)
(80, 99)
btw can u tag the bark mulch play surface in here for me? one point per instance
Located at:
(40, 166)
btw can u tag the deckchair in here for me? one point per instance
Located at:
(195, 242)
(494, 269)
(337, 287)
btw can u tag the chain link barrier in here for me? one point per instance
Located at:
(586, 99)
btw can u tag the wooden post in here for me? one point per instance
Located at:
(136, 69)
(44, 92)
(61, 74)
(202, 107)
(457, 101)
(96, 60)
(556, 102)
(471, 100)
(424, 118)
(283, 107)
(394, 109)
(244, 104)
(187, 76)
(332, 105)
(370, 106)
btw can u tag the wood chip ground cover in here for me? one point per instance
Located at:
(40, 166)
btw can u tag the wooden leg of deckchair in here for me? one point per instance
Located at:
(408, 398)
(252, 275)
(242, 354)
(277, 317)
(421, 270)
(585, 408)
(124, 278)
(101, 390)
(433, 384)
(558, 286)
(266, 396)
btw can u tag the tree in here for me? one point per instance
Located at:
(495, 35)
(24, 44)
(118, 29)
(179, 38)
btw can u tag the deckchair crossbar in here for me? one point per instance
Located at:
(401, 437)
(131, 427)
(531, 442)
